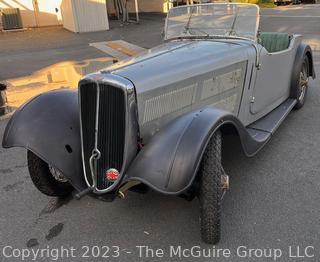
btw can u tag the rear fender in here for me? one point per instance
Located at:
(302, 51)
(48, 125)
(170, 161)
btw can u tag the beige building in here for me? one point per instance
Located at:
(146, 5)
(76, 15)
(85, 15)
(36, 13)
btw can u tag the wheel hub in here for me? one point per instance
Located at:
(225, 185)
(303, 83)
(57, 175)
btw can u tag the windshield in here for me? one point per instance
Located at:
(220, 20)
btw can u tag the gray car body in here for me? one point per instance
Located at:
(186, 71)
(178, 65)
(177, 70)
(185, 91)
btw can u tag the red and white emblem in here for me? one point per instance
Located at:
(112, 174)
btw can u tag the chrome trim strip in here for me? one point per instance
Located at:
(95, 152)
(81, 134)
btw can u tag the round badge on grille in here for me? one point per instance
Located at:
(112, 174)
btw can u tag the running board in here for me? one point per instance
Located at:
(271, 122)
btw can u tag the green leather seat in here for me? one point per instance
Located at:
(274, 42)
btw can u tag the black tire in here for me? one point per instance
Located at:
(43, 179)
(302, 86)
(210, 191)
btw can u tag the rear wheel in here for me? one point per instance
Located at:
(46, 178)
(211, 173)
(302, 87)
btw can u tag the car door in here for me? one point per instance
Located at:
(272, 84)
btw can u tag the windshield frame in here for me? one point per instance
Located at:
(214, 36)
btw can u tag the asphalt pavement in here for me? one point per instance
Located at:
(273, 203)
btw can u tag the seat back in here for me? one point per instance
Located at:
(274, 41)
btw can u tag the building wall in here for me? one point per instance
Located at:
(36, 12)
(149, 5)
(49, 12)
(85, 16)
(67, 11)
(144, 5)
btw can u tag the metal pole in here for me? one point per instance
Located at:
(36, 12)
(116, 8)
(137, 10)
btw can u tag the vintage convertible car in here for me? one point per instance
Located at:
(157, 120)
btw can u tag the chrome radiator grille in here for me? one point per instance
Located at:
(111, 119)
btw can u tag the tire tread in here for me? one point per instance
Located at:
(43, 180)
(211, 171)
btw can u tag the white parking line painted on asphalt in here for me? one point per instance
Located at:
(292, 16)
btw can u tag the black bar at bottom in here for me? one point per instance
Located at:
(83, 193)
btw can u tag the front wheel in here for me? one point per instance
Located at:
(211, 173)
(46, 178)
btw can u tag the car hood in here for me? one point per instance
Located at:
(179, 60)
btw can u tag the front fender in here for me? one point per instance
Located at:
(170, 161)
(48, 125)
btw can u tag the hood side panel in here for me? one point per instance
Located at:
(194, 75)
